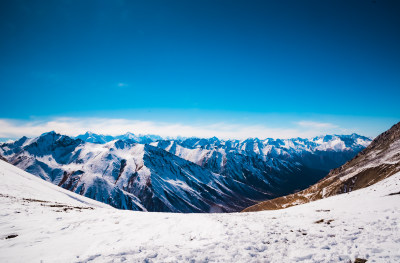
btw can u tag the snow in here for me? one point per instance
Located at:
(335, 144)
(362, 142)
(191, 150)
(19, 184)
(363, 223)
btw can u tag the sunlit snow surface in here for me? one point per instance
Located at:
(365, 224)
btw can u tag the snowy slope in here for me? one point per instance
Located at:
(363, 224)
(18, 184)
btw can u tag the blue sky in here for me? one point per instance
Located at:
(275, 65)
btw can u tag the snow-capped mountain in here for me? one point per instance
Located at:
(125, 174)
(95, 138)
(322, 153)
(379, 160)
(190, 175)
(43, 222)
(101, 139)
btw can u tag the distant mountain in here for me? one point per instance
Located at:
(188, 175)
(321, 153)
(3, 140)
(378, 161)
(102, 139)
(95, 138)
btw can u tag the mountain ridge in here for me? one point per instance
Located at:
(188, 175)
(376, 162)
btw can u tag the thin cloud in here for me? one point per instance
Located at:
(74, 126)
(121, 85)
(316, 125)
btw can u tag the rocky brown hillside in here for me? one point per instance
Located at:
(378, 161)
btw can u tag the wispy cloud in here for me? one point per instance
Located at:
(122, 84)
(317, 125)
(74, 126)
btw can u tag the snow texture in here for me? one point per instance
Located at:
(42, 222)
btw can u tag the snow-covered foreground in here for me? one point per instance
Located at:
(363, 224)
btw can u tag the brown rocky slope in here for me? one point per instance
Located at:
(378, 161)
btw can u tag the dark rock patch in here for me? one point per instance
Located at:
(360, 260)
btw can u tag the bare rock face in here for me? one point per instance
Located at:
(378, 161)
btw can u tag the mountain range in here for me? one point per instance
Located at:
(101, 139)
(148, 173)
(381, 159)
(41, 221)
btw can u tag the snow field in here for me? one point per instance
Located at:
(363, 224)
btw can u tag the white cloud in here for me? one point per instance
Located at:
(317, 125)
(74, 126)
(121, 84)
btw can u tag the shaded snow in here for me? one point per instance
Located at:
(363, 223)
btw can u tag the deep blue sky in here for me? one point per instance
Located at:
(216, 58)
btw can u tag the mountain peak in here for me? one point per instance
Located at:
(89, 133)
(387, 137)
(50, 133)
(21, 141)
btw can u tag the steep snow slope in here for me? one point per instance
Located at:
(360, 224)
(25, 187)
